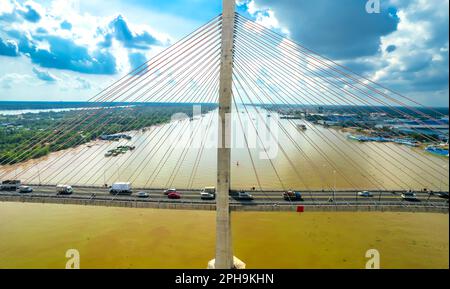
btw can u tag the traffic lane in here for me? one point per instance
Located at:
(385, 196)
(87, 188)
(48, 188)
(244, 203)
(420, 195)
(197, 199)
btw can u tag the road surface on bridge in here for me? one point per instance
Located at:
(387, 198)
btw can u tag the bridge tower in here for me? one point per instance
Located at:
(224, 248)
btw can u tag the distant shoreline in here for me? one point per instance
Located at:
(42, 105)
(25, 105)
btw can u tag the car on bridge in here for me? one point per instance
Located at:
(207, 196)
(409, 196)
(292, 196)
(365, 194)
(174, 196)
(25, 189)
(443, 195)
(143, 195)
(244, 196)
(64, 190)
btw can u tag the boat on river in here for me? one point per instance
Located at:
(440, 151)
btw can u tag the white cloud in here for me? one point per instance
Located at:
(411, 57)
(263, 16)
(6, 7)
(24, 71)
(44, 75)
(87, 31)
(418, 60)
(11, 80)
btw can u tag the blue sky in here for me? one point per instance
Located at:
(69, 50)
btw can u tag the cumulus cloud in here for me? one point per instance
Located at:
(53, 38)
(314, 24)
(44, 75)
(66, 54)
(264, 16)
(405, 47)
(120, 30)
(14, 11)
(10, 80)
(8, 48)
(30, 12)
(420, 58)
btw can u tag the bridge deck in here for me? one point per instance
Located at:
(270, 200)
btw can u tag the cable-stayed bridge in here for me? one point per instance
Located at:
(261, 130)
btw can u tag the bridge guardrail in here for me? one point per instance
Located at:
(105, 200)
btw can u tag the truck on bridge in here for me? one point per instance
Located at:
(10, 185)
(121, 189)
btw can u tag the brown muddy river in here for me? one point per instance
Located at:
(38, 236)
(171, 156)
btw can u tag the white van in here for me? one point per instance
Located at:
(208, 193)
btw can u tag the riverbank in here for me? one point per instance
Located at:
(37, 236)
(153, 163)
(59, 129)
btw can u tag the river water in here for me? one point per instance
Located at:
(38, 236)
(292, 158)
